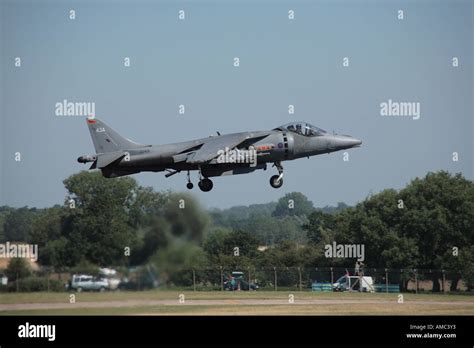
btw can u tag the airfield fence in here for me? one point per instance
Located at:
(271, 278)
(307, 279)
(291, 278)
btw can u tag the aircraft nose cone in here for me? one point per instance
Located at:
(345, 142)
(349, 142)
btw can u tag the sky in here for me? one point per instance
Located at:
(282, 61)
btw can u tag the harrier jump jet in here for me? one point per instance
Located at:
(230, 154)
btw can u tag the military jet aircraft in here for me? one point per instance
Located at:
(218, 155)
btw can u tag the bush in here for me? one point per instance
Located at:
(32, 284)
(85, 267)
(17, 267)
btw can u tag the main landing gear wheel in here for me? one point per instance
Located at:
(205, 185)
(275, 181)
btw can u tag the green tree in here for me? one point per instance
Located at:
(319, 225)
(461, 260)
(17, 268)
(99, 228)
(58, 254)
(17, 225)
(4, 212)
(235, 249)
(46, 226)
(146, 205)
(439, 215)
(416, 227)
(241, 242)
(214, 242)
(294, 203)
(466, 257)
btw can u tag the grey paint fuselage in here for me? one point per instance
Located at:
(160, 157)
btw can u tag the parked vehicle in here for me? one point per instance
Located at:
(88, 283)
(237, 282)
(353, 283)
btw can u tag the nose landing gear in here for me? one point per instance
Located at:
(276, 181)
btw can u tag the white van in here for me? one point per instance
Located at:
(80, 282)
(352, 283)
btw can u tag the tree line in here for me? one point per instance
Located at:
(429, 224)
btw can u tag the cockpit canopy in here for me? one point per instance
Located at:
(303, 128)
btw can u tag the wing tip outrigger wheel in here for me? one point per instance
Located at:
(276, 181)
(189, 185)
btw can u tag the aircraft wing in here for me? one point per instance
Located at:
(212, 145)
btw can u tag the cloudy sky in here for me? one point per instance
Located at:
(282, 61)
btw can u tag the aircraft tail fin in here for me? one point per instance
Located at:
(105, 139)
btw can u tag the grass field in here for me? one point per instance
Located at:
(159, 302)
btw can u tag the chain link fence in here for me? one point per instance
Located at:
(220, 278)
(289, 279)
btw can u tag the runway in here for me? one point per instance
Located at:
(225, 302)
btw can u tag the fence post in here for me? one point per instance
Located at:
(249, 277)
(401, 282)
(194, 280)
(416, 282)
(386, 280)
(139, 279)
(299, 277)
(444, 283)
(332, 277)
(222, 279)
(275, 271)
